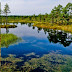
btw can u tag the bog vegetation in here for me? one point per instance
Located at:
(59, 18)
(9, 39)
(51, 62)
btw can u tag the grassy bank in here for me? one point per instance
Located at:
(46, 25)
(8, 26)
(8, 39)
(54, 26)
(39, 24)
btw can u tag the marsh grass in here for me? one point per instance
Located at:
(67, 28)
(8, 26)
(51, 62)
(9, 39)
(47, 24)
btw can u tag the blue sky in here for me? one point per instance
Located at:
(30, 7)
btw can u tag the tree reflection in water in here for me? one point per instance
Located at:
(9, 39)
(55, 36)
(58, 36)
(52, 62)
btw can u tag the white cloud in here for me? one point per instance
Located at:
(27, 7)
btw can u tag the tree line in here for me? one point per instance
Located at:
(59, 15)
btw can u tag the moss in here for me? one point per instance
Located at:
(8, 26)
(51, 62)
(10, 63)
(54, 26)
(58, 26)
(8, 39)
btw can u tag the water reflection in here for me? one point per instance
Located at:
(56, 36)
(37, 54)
(61, 37)
(8, 39)
(7, 30)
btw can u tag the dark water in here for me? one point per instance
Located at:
(37, 42)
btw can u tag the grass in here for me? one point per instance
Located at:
(8, 39)
(54, 26)
(46, 25)
(8, 26)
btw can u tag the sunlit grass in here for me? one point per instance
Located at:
(42, 24)
(8, 26)
(54, 26)
(8, 39)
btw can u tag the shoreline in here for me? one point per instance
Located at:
(67, 28)
(8, 26)
(46, 25)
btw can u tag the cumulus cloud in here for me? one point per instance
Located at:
(29, 7)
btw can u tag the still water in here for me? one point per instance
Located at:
(35, 43)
